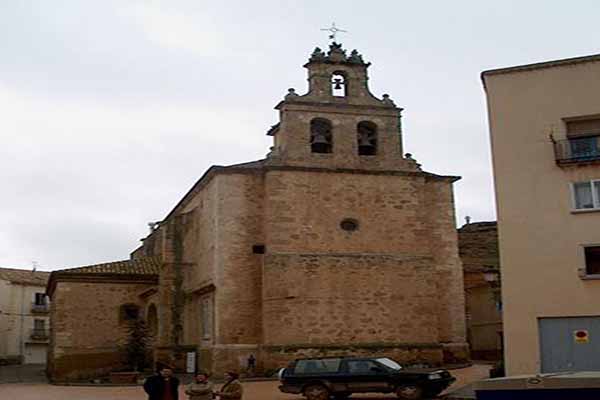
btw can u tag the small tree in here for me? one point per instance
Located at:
(136, 347)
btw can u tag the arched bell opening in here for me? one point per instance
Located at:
(321, 139)
(339, 84)
(367, 138)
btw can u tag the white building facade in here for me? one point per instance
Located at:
(24, 316)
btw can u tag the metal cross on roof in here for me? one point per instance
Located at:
(333, 30)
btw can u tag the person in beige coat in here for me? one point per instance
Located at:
(232, 389)
(200, 388)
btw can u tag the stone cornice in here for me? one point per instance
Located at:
(328, 106)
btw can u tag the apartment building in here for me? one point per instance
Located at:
(544, 122)
(24, 316)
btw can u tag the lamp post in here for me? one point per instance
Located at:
(492, 277)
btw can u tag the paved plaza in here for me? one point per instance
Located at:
(265, 390)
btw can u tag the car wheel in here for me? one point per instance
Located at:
(409, 392)
(316, 392)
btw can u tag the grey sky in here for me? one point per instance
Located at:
(111, 110)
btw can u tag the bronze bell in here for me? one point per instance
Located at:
(364, 140)
(319, 139)
(337, 83)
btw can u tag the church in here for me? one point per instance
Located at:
(336, 243)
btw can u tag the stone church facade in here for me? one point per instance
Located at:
(335, 243)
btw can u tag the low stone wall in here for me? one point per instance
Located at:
(83, 366)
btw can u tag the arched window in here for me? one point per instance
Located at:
(338, 84)
(152, 320)
(367, 138)
(321, 140)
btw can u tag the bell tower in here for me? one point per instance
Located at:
(338, 123)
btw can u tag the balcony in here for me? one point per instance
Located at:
(40, 308)
(577, 150)
(39, 334)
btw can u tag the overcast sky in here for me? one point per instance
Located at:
(111, 110)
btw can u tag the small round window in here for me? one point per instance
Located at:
(349, 224)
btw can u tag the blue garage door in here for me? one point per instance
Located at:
(570, 344)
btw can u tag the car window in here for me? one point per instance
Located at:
(363, 367)
(390, 363)
(317, 366)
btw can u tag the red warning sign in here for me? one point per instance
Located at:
(581, 336)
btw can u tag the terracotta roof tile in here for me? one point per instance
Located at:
(139, 266)
(24, 276)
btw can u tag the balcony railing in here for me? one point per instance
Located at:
(577, 150)
(40, 308)
(39, 334)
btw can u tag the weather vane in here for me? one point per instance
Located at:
(333, 31)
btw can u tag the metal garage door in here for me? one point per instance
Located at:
(35, 353)
(570, 344)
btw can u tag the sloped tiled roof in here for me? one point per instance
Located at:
(24, 276)
(144, 269)
(140, 266)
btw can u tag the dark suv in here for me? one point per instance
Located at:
(321, 378)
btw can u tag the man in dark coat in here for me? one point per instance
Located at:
(163, 385)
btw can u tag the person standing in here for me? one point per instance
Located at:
(232, 389)
(251, 365)
(163, 385)
(200, 388)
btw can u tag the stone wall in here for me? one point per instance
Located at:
(304, 211)
(478, 247)
(292, 147)
(396, 279)
(349, 299)
(443, 246)
(221, 224)
(478, 244)
(87, 329)
(239, 276)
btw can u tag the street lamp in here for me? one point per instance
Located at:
(491, 276)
